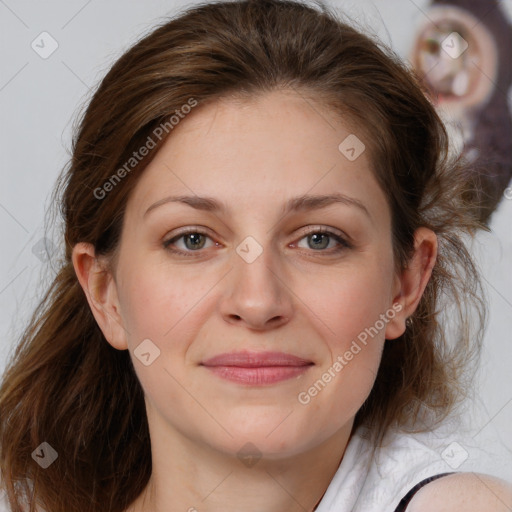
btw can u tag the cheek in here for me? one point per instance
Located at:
(154, 301)
(348, 304)
(351, 311)
(341, 385)
(159, 305)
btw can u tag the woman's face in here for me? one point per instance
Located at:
(255, 275)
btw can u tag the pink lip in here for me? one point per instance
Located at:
(257, 368)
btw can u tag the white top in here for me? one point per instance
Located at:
(365, 484)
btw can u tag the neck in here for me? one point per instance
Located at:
(192, 476)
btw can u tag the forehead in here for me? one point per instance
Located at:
(261, 150)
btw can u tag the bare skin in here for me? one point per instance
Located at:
(471, 492)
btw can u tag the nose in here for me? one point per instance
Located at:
(256, 294)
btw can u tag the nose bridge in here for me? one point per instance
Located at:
(257, 293)
(256, 272)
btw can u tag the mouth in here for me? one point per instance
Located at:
(257, 368)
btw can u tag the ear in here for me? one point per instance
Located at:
(410, 285)
(101, 292)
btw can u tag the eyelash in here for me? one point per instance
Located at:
(343, 244)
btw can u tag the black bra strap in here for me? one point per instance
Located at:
(408, 497)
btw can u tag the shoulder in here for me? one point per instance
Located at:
(471, 492)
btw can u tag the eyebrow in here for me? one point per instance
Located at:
(300, 203)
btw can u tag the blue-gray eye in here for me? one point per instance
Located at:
(319, 240)
(192, 241)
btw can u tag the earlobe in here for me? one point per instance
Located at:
(412, 282)
(101, 292)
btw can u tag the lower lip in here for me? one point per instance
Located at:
(258, 376)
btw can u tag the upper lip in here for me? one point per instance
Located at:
(249, 359)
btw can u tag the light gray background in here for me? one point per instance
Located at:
(39, 99)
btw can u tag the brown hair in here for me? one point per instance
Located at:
(67, 386)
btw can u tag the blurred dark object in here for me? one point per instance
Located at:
(463, 54)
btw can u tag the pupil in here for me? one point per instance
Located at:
(318, 237)
(194, 238)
